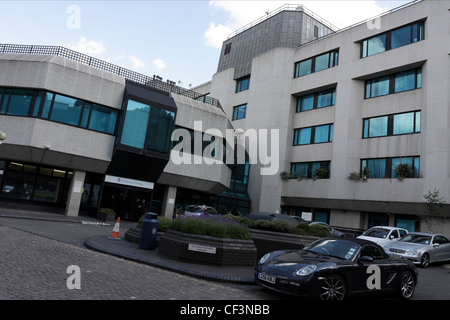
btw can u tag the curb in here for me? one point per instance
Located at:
(91, 244)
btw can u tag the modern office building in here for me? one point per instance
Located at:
(84, 134)
(362, 113)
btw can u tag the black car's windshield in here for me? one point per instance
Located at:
(376, 232)
(416, 238)
(343, 249)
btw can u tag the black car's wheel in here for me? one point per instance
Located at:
(407, 285)
(333, 288)
(425, 260)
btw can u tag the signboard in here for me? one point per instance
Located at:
(129, 182)
(200, 248)
(307, 216)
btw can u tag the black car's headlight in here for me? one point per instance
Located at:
(264, 258)
(307, 270)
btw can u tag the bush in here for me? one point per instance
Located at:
(315, 230)
(162, 223)
(213, 226)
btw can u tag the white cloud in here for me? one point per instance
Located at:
(87, 47)
(159, 64)
(240, 13)
(136, 62)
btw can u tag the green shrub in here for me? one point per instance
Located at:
(315, 230)
(213, 226)
(162, 223)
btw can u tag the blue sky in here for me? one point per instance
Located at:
(177, 40)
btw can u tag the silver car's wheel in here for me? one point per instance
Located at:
(425, 260)
(407, 285)
(333, 288)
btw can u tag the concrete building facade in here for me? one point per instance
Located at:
(350, 107)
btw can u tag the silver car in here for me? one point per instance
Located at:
(421, 248)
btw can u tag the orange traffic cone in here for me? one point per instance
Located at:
(115, 232)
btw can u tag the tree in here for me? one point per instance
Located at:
(433, 204)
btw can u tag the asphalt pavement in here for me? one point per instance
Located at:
(95, 235)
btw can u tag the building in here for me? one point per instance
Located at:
(350, 106)
(83, 134)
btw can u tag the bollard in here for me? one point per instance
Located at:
(149, 231)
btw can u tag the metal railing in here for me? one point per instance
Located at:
(153, 82)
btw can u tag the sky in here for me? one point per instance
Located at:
(176, 40)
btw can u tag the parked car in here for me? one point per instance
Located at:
(421, 248)
(382, 235)
(333, 268)
(333, 232)
(292, 220)
(196, 210)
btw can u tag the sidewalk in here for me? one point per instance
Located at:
(131, 251)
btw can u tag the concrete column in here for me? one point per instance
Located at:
(75, 193)
(168, 203)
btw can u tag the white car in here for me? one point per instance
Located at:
(383, 235)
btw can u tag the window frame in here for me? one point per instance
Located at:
(315, 105)
(242, 84)
(236, 112)
(369, 85)
(390, 125)
(417, 34)
(389, 166)
(333, 61)
(312, 137)
(312, 166)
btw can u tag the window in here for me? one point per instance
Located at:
(135, 124)
(66, 110)
(16, 101)
(161, 126)
(393, 39)
(313, 135)
(404, 123)
(239, 112)
(372, 251)
(242, 84)
(309, 170)
(315, 64)
(317, 100)
(385, 167)
(227, 49)
(102, 119)
(398, 82)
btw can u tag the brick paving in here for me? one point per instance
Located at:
(35, 267)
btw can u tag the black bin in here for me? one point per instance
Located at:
(149, 231)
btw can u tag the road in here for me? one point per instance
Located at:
(35, 256)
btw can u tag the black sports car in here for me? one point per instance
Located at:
(332, 268)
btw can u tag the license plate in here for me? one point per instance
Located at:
(266, 277)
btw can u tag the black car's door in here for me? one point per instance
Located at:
(371, 269)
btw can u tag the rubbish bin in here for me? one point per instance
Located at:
(149, 231)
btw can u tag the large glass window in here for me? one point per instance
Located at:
(309, 170)
(103, 119)
(160, 130)
(135, 124)
(20, 102)
(315, 64)
(312, 135)
(66, 110)
(385, 167)
(393, 39)
(317, 100)
(397, 82)
(403, 123)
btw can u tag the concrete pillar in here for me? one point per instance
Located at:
(168, 203)
(75, 193)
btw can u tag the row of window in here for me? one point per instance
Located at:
(388, 125)
(379, 168)
(59, 108)
(394, 83)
